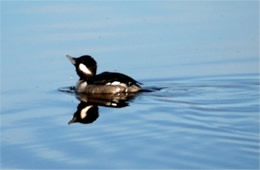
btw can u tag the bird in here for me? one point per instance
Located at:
(105, 82)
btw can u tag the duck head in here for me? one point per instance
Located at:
(86, 66)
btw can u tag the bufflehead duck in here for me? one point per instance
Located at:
(106, 82)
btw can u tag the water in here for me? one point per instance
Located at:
(199, 58)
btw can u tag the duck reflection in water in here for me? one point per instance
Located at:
(87, 110)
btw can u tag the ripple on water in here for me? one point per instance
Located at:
(222, 113)
(209, 122)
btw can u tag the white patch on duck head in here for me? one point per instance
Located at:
(83, 112)
(84, 69)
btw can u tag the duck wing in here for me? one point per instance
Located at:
(112, 77)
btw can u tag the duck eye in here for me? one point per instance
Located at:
(84, 69)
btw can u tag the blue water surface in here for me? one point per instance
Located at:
(200, 58)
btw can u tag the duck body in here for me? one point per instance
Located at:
(106, 82)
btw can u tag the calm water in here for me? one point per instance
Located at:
(200, 59)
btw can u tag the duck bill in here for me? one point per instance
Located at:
(72, 59)
(73, 120)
